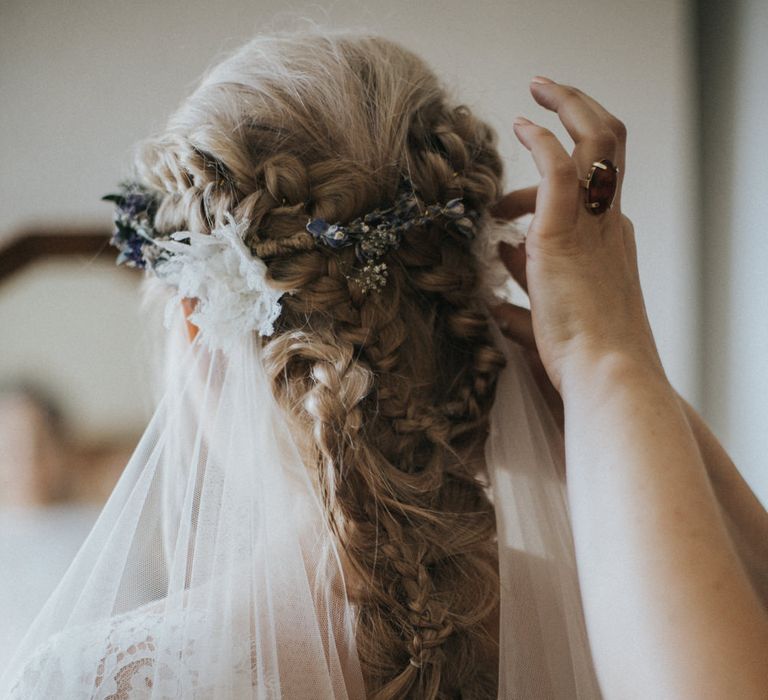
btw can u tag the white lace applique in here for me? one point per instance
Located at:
(230, 283)
(495, 280)
(140, 655)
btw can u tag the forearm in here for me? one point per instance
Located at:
(670, 610)
(745, 516)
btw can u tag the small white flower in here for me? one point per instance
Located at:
(229, 282)
(495, 280)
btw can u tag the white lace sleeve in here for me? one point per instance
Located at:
(123, 659)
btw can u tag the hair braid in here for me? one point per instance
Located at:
(402, 502)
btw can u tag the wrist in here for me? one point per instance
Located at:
(591, 373)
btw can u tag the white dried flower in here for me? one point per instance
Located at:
(229, 282)
(495, 281)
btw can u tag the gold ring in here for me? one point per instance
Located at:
(601, 185)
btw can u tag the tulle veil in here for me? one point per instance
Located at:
(211, 571)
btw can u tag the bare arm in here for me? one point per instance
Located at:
(660, 578)
(670, 609)
(744, 515)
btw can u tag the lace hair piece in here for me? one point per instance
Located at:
(494, 277)
(234, 294)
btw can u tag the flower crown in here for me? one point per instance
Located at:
(372, 235)
(223, 265)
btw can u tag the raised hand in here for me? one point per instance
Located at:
(580, 268)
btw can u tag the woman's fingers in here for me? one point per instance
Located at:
(593, 129)
(619, 128)
(515, 323)
(596, 132)
(614, 123)
(514, 259)
(558, 196)
(515, 204)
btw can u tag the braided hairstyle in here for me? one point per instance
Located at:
(391, 390)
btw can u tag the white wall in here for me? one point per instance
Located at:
(735, 230)
(84, 79)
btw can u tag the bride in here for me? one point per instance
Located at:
(352, 485)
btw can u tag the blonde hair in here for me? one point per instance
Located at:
(391, 391)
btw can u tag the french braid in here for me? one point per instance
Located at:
(389, 392)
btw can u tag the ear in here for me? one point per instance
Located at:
(189, 305)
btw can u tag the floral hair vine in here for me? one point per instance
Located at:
(380, 230)
(229, 278)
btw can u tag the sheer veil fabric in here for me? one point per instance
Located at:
(544, 651)
(211, 572)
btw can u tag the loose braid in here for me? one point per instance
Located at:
(389, 393)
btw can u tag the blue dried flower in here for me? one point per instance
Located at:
(131, 247)
(333, 235)
(134, 204)
(134, 232)
(454, 209)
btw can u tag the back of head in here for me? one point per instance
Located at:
(390, 390)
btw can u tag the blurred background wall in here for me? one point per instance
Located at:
(732, 53)
(82, 81)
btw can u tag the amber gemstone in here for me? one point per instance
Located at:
(602, 186)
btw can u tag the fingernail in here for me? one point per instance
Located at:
(541, 80)
(522, 121)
